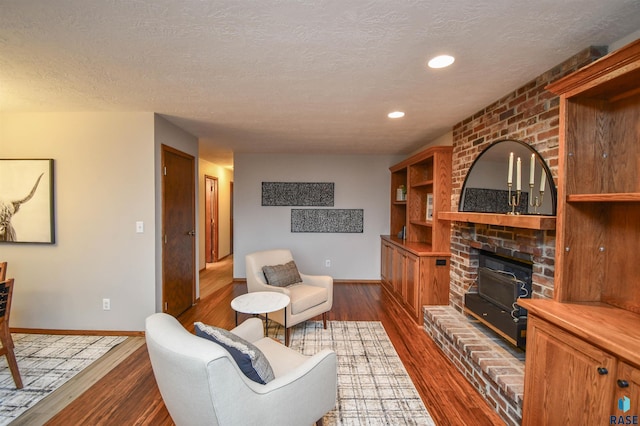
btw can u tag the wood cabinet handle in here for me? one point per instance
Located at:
(602, 371)
(623, 383)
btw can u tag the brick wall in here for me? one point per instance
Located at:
(529, 114)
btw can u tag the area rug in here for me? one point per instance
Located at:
(373, 385)
(46, 362)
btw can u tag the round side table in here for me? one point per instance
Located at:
(261, 302)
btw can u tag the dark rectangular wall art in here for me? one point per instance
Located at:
(317, 194)
(492, 201)
(327, 220)
(26, 201)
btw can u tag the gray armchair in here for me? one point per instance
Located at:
(310, 298)
(201, 384)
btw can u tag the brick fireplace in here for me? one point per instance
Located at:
(529, 114)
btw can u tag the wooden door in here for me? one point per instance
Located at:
(211, 218)
(231, 217)
(567, 380)
(178, 229)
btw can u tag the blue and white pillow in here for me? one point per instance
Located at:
(249, 358)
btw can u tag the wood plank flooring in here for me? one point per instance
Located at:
(128, 395)
(78, 384)
(215, 276)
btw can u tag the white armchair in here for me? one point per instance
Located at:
(312, 297)
(201, 384)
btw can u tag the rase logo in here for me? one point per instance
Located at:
(624, 405)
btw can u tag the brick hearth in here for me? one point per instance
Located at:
(492, 366)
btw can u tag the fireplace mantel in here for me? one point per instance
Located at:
(500, 219)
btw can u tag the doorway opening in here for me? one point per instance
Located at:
(218, 250)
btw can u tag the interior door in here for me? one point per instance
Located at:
(179, 235)
(231, 217)
(211, 219)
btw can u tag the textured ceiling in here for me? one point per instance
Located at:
(312, 76)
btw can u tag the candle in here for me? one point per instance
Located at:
(532, 170)
(543, 180)
(510, 178)
(518, 174)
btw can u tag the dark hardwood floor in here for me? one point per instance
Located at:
(128, 395)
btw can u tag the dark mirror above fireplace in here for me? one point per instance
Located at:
(485, 187)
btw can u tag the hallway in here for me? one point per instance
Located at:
(215, 276)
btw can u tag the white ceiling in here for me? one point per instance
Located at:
(292, 76)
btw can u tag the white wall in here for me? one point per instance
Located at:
(446, 139)
(361, 182)
(104, 183)
(225, 177)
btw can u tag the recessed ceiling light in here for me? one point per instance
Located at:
(441, 61)
(396, 114)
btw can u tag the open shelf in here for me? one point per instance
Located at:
(421, 223)
(422, 183)
(611, 198)
(501, 219)
(426, 176)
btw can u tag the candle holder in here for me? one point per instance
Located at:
(514, 200)
(536, 201)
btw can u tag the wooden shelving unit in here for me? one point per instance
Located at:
(583, 346)
(415, 270)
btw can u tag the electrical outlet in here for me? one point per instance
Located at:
(327, 263)
(106, 304)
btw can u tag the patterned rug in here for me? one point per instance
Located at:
(46, 362)
(373, 385)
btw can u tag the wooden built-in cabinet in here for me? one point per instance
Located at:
(414, 275)
(582, 358)
(415, 269)
(585, 395)
(583, 347)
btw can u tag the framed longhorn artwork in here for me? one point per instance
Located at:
(26, 201)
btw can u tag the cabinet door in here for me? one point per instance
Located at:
(398, 271)
(434, 279)
(386, 269)
(567, 381)
(627, 391)
(412, 284)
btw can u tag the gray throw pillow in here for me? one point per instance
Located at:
(249, 358)
(282, 275)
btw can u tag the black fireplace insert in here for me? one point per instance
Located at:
(501, 281)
